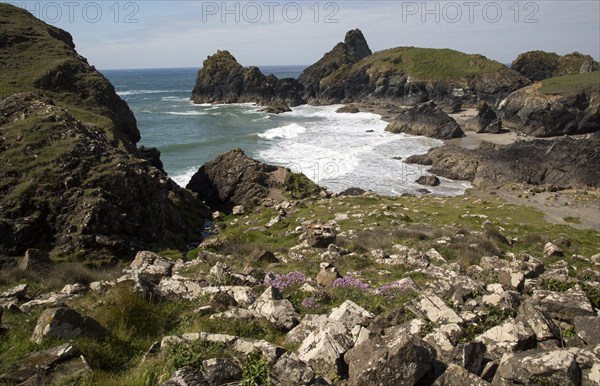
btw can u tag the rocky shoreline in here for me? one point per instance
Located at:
(288, 284)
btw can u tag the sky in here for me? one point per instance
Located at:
(168, 34)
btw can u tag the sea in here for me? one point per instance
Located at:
(335, 150)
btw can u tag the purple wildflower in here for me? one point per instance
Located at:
(282, 282)
(391, 290)
(350, 282)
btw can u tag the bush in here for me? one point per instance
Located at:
(255, 370)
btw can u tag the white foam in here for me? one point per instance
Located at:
(182, 179)
(284, 132)
(186, 112)
(175, 99)
(134, 92)
(345, 150)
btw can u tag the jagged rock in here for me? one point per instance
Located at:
(425, 119)
(290, 370)
(559, 162)
(50, 299)
(262, 256)
(71, 290)
(223, 80)
(564, 305)
(276, 310)
(434, 309)
(587, 327)
(323, 349)
(540, 65)
(221, 371)
(327, 275)
(63, 364)
(98, 196)
(552, 250)
(186, 289)
(557, 367)
(151, 266)
(351, 314)
(511, 279)
(348, 109)
(485, 121)
(402, 359)
(36, 260)
(472, 357)
(444, 339)
(221, 301)
(18, 292)
(535, 111)
(543, 327)
(509, 336)
(320, 236)
(455, 375)
(225, 275)
(276, 108)
(428, 181)
(338, 60)
(238, 210)
(352, 192)
(65, 323)
(233, 178)
(308, 324)
(187, 376)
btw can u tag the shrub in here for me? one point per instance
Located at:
(255, 370)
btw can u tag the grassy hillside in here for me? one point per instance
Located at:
(572, 83)
(431, 63)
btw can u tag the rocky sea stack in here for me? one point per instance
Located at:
(72, 180)
(223, 80)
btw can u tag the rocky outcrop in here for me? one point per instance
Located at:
(562, 162)
(486, 121)
(540, 65)
(235, 179)
(71, 177)
(558, 106)
(406, 76)
(425, 119)
(223, 80)
(65, 323)
(338, 60)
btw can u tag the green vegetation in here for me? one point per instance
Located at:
(299, 186)
(572, 83)
(255, 370)
(430, 63)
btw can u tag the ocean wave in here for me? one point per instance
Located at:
(183, 178)
(187, 113)
(135, 92)
(175, 99)
(284, 132)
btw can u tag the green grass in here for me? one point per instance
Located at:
(430, 63)
(572, 83)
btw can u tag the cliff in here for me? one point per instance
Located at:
(540, 65)
(72, 181)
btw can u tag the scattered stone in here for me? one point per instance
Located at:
(323, 349)
(433, 308)
(320, 236)
(59, 365)
(507, 337)
(402, 359)
(260, 255)
(552, 250)
(543, 327)
(514, 280)
(557, 367)
(351, 314)
(221, 371)
(588, 329)
(187, 376)
(18, 292)
(290, 370)
(65, 323)
(238, 210)
(455, 375)
(36, 260)
(473, 355)
(564, 305)
(276, 310)
(327, 275)
(222, 301)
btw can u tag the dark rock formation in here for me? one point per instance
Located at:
(425, 119)
(71, 178)
(562, 162)
(276, 108)
(557, 106)
(339, 59)
(485, 121)
(540, 65)
(223, 80)
(235, 179)
(428, 181)
(152, 154)
(348, 109)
